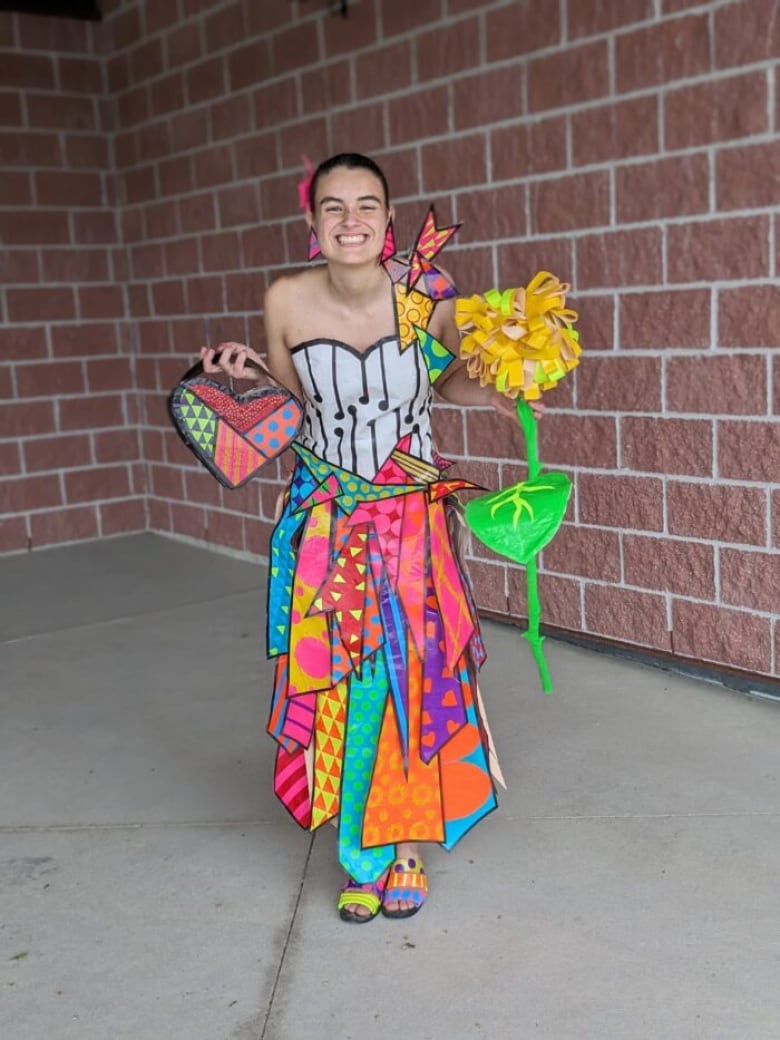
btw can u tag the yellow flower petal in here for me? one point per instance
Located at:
(506, 334)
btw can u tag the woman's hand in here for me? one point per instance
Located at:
(508, 405)
(232, 359)
(537, 408)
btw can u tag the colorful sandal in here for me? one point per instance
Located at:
(409, 882)
(369, 896)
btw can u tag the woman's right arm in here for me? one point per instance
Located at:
(232, 358)
(278, 301)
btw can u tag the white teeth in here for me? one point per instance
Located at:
(351, 240)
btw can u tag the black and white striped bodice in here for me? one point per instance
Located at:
(358, 405)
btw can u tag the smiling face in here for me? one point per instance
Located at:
(350, 215)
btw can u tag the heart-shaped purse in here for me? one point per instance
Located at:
(233, 435)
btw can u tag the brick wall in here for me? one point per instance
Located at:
(631, 146)
(70, 448)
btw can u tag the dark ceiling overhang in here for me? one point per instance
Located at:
(59, 8)
(90, 8)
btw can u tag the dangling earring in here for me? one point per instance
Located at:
(389, 248)
(314, 245)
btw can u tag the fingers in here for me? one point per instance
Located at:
(508, 406)
(229, 358)
(207, 357)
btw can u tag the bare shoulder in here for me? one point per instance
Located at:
(287, 290)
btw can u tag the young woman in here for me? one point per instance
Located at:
(371, 620)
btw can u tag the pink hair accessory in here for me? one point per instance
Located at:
(304, 186)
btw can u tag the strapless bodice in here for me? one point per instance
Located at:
(359, 404)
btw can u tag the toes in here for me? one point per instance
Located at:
(395, 905)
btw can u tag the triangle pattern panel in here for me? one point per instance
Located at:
(200, 421)
(328, 752)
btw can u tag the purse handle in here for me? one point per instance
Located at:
(259, 365)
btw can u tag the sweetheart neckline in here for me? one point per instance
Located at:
(347, 346)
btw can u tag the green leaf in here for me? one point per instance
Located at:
(519, 521)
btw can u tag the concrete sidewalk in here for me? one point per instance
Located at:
(153, 889)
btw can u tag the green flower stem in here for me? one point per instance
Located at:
(528, 422)
(532, 633)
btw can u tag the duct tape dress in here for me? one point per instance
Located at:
(371, 619)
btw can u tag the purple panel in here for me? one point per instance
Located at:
(443, 711)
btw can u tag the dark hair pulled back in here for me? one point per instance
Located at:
(349, 161)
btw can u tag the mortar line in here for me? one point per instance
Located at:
(77, 827)
(734, 814)
(131, 825)
(287, 941)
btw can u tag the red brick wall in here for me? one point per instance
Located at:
(630, 146)
(70, 447)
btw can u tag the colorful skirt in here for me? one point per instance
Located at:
(371, 620)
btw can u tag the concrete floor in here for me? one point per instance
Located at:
(153, 889)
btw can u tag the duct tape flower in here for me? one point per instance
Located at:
(522, 341)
